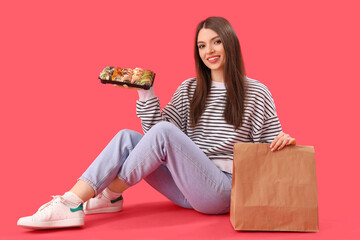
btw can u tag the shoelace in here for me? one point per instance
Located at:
(56, 199)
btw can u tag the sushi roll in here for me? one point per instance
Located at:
(148, 75)
(118, 70)
(136, 78)
(147, 78)
(138, 72)
(145, 81)
(117, 74)
(128, 71)
(109, 70)
(106, 73)
(126, 78)
(127, 74)
(104, 76)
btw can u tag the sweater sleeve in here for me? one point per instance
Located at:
(148, 110)
(269, 126)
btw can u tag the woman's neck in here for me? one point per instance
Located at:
(217, 75)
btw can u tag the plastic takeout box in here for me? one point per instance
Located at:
(121, 83)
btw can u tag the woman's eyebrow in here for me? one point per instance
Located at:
(210, 39)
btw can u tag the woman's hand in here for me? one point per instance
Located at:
(282, 140)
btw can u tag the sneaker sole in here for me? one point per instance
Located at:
(68, 223)
(103, 210)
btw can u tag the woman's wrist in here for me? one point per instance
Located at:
(146, 94)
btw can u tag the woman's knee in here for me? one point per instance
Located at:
(127, 138)
(128, 133)
(164, 127)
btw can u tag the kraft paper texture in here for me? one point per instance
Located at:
(274, 191)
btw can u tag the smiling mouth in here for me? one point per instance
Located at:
(213, 58)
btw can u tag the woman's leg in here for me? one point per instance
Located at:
(104, 169)
(163, 182)
(66, 211)
(205, 187)
(83, 190)
(169, 161)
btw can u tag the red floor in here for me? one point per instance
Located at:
(154, 217)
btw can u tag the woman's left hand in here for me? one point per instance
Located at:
(282, 140)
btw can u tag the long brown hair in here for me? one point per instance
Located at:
(234, 74)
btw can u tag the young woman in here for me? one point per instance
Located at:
(187, 150)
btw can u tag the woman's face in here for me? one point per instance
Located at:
(211, 49)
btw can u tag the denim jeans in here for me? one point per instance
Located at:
(170, 162)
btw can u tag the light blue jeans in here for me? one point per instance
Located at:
(170, 162)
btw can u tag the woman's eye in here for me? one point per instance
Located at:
(201, 46)
(217, 41)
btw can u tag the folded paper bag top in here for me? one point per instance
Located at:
(274, 191)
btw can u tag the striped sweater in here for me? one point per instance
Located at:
(212, 134)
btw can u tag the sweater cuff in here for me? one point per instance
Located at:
(146, 94)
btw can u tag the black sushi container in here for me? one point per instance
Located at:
(146, 86)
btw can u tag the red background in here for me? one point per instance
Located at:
(56, 117)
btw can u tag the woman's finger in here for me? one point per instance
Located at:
(276, 139)
(292, 141)
(284, 143)
(289, 141)
(278, 143)
(282, 140)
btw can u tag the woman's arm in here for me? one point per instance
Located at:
(148, 109)
(267, 127)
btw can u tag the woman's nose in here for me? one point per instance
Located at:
(210, 49)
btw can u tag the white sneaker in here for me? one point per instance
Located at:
(103, 204)
(58, 213)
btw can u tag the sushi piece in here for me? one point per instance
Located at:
(128, 71)
(117, 74)
(127, 74)
(104, 76)
(116, 77)
(138, 72)
(145, 82)
(147, 78)
(118, 70)
(149, 74)
(106, 73)
(109, 70)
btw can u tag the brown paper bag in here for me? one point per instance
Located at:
(274, 191)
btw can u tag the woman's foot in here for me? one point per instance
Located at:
(105, 202)
(61, 212)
